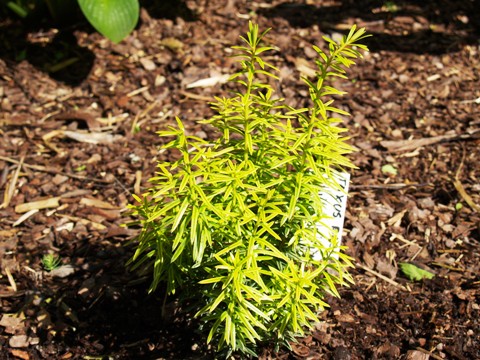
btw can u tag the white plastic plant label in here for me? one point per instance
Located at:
(335, 205)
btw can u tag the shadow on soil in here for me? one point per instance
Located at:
(463, 16)
(49, 45)
(52, 47)
(168, 9)
(103, 311)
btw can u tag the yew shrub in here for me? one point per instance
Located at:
(232, 223)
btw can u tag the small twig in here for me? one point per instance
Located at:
(405, 241)
(428, 353)
(126, 191)
(384, 278)
(136, 343)
(53, 171)
(374, 281)
(389, 186)
(10, 294)
(417, 253)
(445, 266)
(137, 91)
(142, 115)
(476, 101)
(413, 144)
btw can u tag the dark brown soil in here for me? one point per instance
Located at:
(415, 104)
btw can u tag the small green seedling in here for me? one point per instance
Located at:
(389, 170)
(51, 262)
(80, 168)
(391, 7)
(414, 273)
(234, 223)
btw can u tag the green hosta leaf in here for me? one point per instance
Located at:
(114, 19)
(414, 273)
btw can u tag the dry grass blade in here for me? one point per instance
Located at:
(195, 96)
(384, 278)
(136, 122)
(11, 280)
(137, 91)
(461, 190)
(24, 217)
(468, 199)
(12, 185)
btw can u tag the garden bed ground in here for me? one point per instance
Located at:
(415, 106)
